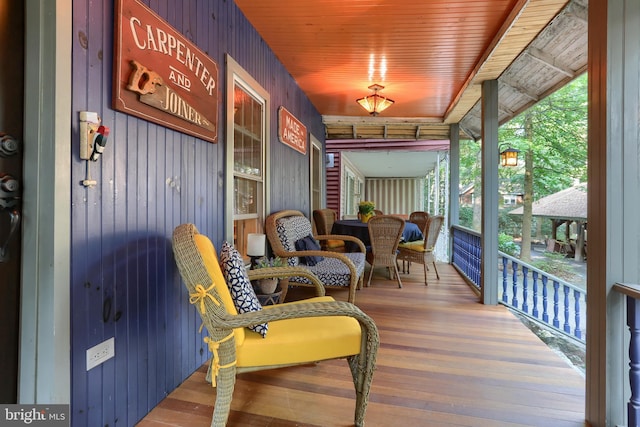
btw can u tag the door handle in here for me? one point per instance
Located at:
(9, 196)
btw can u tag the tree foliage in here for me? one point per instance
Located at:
(558, 140)
(553, 132)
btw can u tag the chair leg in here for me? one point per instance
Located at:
(370, 274)
(425, 274)
(395, 267)
(225, 383)
(436, 269)
(362, 367)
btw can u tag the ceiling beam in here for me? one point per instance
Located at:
(516, 88)
(548, 61)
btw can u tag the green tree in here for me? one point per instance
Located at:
(553, 137)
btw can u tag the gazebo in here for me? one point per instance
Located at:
(564, 207)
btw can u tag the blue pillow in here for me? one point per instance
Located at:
(242, 293)
(308, 243)
(411, 232)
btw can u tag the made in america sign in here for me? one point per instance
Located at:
(291, 131)
(161, 76)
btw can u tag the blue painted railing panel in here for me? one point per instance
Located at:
(466, 253)
(525, 288)
(633, 321)
(632, 292)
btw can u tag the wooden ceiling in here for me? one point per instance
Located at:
(431, 56)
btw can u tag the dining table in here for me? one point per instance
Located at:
(359, 229)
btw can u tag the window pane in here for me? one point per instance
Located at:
(246, 196)
(247, 146)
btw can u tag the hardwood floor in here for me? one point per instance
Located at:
(444, 360)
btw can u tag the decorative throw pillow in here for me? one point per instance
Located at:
(242, 293)
(308, 243)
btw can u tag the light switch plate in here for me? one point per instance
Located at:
(89, 123)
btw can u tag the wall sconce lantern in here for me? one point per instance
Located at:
(509, 157)
(375, 104)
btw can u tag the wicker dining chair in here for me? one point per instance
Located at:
(421, 251)
(419, 218)
(324, 219)
(299, 332)
(384, 232)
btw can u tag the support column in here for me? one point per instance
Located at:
(454, 180)
(489, 229)
(613, 202)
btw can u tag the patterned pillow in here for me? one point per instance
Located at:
(242, 293)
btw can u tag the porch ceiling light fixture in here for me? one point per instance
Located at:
(375, 104)
(509, 157)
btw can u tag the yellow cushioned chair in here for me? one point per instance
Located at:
(422, 250)
(299, 332)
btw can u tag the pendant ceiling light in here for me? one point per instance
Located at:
(375, 104)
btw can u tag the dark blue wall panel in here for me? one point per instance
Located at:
(151, 179)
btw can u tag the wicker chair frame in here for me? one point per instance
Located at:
(279, 250)
(424, 254)
(220, 325)
(385, 232)
(419, 218)
(324, 219)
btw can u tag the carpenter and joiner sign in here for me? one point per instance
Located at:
(161, 76)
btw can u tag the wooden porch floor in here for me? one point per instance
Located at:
(444, 360)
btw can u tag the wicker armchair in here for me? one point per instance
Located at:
(324, 219)
(292, 338)
(421, 251)
(336, 270)
(385, 232)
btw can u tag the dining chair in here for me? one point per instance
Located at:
(299, 332)
(290, 236)
(419, 218)
(324, 219)
(421, 251)
(378, 212)
(385, 232)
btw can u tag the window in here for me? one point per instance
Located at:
(247, 156)
(510, 199)
(316, 175)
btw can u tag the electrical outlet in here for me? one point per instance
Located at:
(101, 353)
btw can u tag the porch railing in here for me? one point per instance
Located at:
(526, 289)
(466, 252)
(632, 293)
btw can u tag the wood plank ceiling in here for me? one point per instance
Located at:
(430, 55)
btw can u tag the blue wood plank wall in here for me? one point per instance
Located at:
(149, 180)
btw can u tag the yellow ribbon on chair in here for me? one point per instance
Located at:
(215, 363)
(200, 294)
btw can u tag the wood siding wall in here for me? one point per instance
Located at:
(333, 183)
(151, 179)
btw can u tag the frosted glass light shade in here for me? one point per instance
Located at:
(256, 244)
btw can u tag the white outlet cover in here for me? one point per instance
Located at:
(100, 353)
